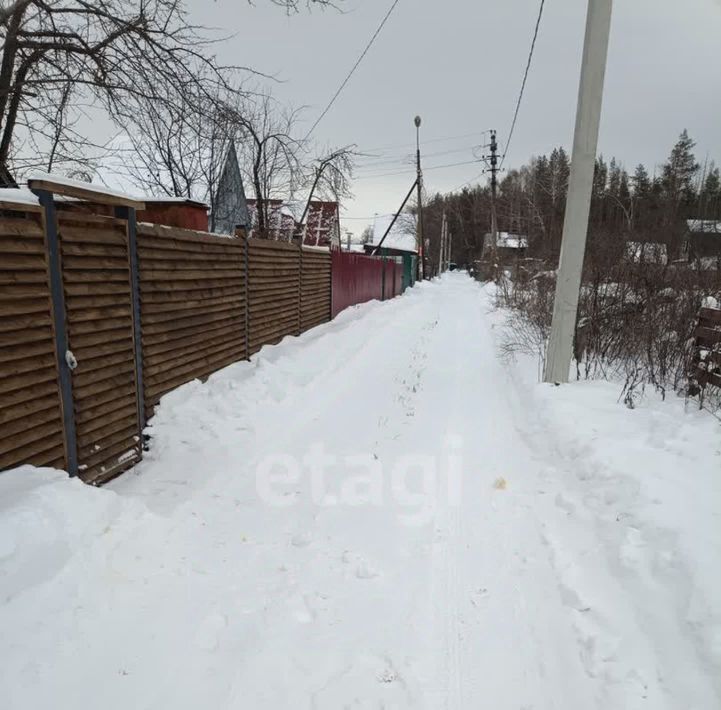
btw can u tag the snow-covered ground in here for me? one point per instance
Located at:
(378, 514)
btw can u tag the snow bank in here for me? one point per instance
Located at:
(578, 569)
(46, 517)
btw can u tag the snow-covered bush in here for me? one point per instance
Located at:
(635, 322)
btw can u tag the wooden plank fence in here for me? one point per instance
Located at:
(31, 416)
(100, 317)
(192, 306)
(707, 349)
(137, 311)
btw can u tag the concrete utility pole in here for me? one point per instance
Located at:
(578, 202)
(419, 187)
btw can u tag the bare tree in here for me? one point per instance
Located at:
(114, 55)
(269, 153)
(177, 150)
(330, 175)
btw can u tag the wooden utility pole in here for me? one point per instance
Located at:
(442, 250)
(448, 247)
(419, 187)
(580, 186)
(491, 162)
(494, 190)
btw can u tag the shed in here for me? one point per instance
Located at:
(399, 242)
(703, 240)
(175, 212)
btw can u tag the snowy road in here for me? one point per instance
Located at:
(379, 514)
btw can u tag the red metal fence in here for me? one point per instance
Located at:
(357, 278)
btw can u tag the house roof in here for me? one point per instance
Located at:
(174, 201)
(506, 240)
(704, 226)
(402, 237)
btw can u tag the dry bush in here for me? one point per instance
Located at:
(635, 322)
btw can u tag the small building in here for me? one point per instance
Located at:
(508, 245)
(399, 243)
(281, 223)
(646, 253)
(175, 212)
(401, 237)
(703, 241)
(322, 224)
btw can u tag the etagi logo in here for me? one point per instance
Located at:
(413, 483)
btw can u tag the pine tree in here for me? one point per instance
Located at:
(641, 183)
(614, 178)
(678, 172)
(600, 177)
(710, 197)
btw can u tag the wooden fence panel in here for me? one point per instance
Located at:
(204, 302)
(99, 318)
(31, 420)
(707, 352)
(192, 304)
(315, 289)
(273, 292)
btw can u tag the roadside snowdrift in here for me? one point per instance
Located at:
(589, 577)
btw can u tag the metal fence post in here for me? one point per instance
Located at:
(300, 286)
(246, 259)
(383, 278)
(128, 214)
(61, 332)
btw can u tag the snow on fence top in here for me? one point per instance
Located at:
(19, 198)
(82, 190)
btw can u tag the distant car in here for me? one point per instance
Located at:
(452, 267)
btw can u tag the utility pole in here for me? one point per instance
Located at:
(419, 187)
(448, 247)
(578, 202)
(492, 167)
(442, 251)
(494, 189)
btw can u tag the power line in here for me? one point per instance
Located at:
(426, 142)
(468, 182)
(352, 71)
(406, 172)
(407, 158)
(523, 84)
(389, 214)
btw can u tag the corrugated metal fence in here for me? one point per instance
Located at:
(358, 278)
(99, 317)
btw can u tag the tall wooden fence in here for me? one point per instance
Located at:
(31, 417)
(100, 317)
(129, 313)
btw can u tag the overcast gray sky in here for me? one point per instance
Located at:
(459, 64)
